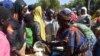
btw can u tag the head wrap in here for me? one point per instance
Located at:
(38, 18)
(85, 9)
(64, 13)
(98, 13)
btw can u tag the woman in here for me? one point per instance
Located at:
(75, 41)
(97, 33)
(4, 44)
(85, 18)
(98, 17)
(16, 29)
(38, 27)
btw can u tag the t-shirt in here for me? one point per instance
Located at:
(4, 45)
(55, 26)
(49, 30)
(29, 36)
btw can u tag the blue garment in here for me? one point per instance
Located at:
(97, 51)
(75, 38)
(91, 38)
(8, 4)
(97, 48)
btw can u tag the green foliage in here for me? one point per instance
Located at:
(55, 4)
(64, 6)
(97, 4)
(52, 4)
(44, 3)
(75, 3)
(94, 4)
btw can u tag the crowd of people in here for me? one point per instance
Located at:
(78, 32)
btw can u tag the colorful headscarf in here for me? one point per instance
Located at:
(64, 13)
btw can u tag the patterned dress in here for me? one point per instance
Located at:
(75, 42)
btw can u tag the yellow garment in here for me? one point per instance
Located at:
(38, 18)
(94, 18)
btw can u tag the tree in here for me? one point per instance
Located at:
(92, 5)
(44, 3)
(52, 4)
(64, 6)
